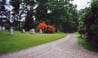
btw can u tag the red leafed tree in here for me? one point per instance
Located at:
(46, 28)
(50, 28)
(42, 26)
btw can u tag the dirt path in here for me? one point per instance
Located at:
(63, 48)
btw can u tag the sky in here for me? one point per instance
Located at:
(81, 4)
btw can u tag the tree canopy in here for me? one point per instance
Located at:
(89, 25)
(60, 13)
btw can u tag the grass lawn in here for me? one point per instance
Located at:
(85, 44)
(18, 41)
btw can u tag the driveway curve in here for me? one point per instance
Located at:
(64, 48)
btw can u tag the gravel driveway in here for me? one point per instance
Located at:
(64, 48)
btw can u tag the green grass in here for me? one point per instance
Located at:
(85, 44)
(18, 41)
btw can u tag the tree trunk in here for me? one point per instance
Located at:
(29, 21)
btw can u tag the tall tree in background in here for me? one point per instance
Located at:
(55, 12)
(15, 12)
(60, 13)
(63, 15)
(30, 13)
(41, 11)
(2, 12)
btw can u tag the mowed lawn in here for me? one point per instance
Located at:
(18, 41)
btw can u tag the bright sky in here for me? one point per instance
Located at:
(81, 3)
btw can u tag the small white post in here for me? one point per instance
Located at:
(32, 31)
(11, 31)
(3, 28)
(23, 30)
(40, 31)
(0, 27)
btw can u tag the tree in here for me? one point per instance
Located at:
(14, 12)
(2, 13)
(29, 14)
(41, 11)
(61, 12)
(90, 24)
(63, 15)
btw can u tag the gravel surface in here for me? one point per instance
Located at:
(64, 48)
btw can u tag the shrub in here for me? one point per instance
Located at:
(46, 28)
(42, 26)
(50, 28)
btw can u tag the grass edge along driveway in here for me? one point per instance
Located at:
(19, 41)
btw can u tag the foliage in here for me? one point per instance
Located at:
(42, 26)
(46, 28)
(65, 15)
(89, 24)
(61, 12)
(16, 5)
(85, 44)
(20, 41)
(29, 22)
(50, 29)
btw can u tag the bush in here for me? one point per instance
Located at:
(50, 29)
(46, 28)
